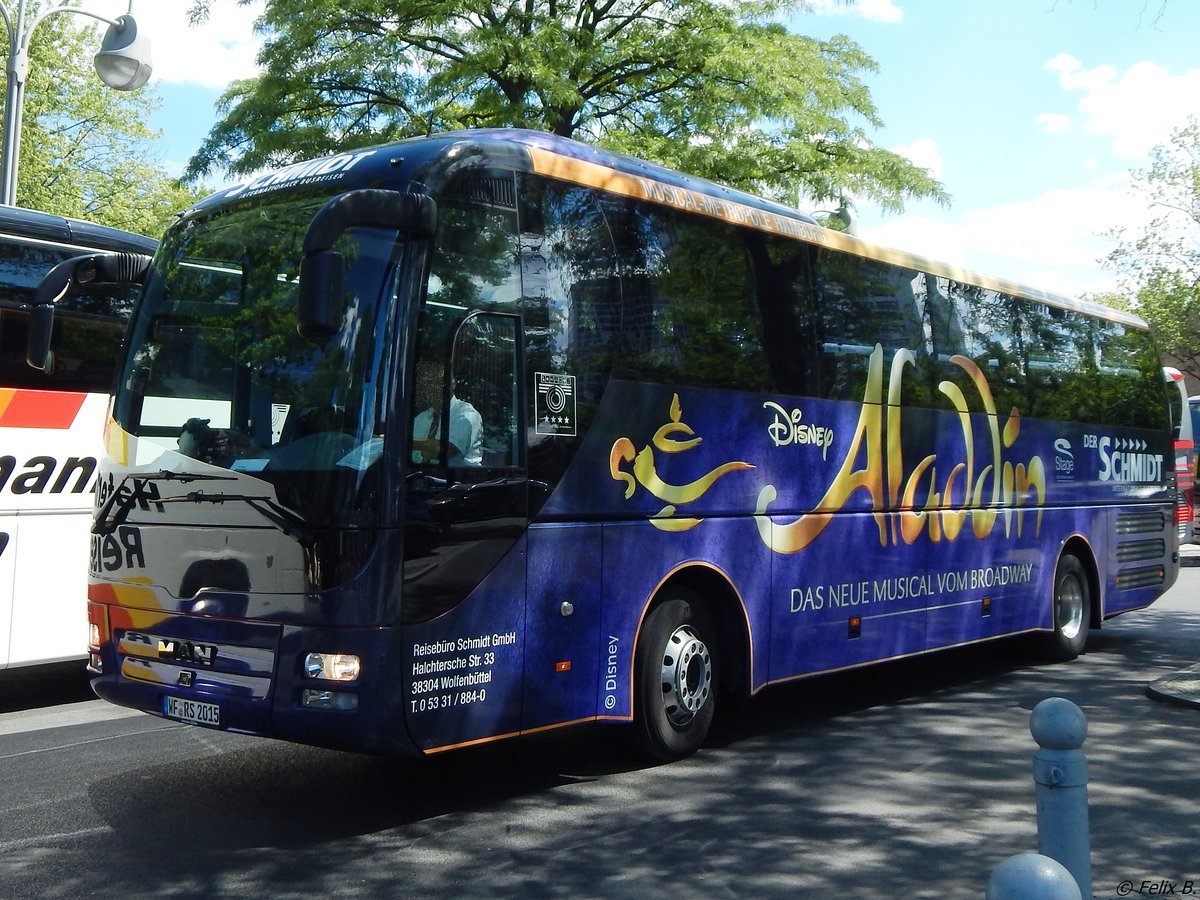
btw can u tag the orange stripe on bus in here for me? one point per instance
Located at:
(39, 409)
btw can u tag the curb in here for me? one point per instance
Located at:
(1181, 688)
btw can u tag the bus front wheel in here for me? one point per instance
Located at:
(675, 672)
(1072, 609)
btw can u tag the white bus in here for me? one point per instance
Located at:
(51, 429)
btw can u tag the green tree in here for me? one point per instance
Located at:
(1159, 263)
(86, 150)
(717, 89)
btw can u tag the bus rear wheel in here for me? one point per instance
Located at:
(1072, 609)
(675, 670)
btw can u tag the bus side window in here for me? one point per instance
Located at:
(864, 303)
(571, 301)
(87, 344)
(782, 271)
(88, 327)
(688, 300)
(984, 326)
(484, 371)
(1129, 386)
(1060, 366)
(474, 267)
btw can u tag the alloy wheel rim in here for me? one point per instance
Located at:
(686, 675)
(1069, 607)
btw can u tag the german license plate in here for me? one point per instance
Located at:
(192, 711)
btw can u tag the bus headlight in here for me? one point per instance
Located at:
(332, 666)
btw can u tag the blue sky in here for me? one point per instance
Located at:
(1031, 112)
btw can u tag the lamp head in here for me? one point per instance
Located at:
(123, 62)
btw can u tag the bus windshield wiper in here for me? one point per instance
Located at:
(116, 508)
(290, 523)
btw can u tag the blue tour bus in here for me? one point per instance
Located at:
(471, 436)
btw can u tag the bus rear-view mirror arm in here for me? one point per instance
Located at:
(319, 308)
(119, 268)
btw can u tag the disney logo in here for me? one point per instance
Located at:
(787, 428)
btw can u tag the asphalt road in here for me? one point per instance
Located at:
(906, 780)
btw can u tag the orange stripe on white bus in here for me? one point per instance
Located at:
(39, 409)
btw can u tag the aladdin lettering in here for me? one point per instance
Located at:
(1001, 488)
(980, 485)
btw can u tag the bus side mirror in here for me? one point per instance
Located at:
(319, 306)
(119, 268)
(37, 345)
(320, 302)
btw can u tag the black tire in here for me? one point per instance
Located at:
(1072, 608)
(676, 680)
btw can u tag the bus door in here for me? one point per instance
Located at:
(466, 513)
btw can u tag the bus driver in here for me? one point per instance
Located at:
(465, 428)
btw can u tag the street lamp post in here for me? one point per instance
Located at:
(123, 63)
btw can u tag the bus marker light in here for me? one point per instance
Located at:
(855, 626)
(329, 700)
(987, 606)
(332, 666)
(564, 666)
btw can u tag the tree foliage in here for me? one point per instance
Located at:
(86, 150)
(717, 89)
(1159, 263)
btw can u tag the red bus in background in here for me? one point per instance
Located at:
(1185, 455)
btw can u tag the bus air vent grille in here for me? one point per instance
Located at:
(1131, 551)
(1144, 576)
(1149, 522)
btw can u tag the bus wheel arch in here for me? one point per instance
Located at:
(1074, 601)
(690, 649)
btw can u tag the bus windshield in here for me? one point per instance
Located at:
(219, 374)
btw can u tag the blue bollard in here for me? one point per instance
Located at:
(1031, 876)
(1060, 775)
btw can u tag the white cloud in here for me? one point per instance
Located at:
(1054, 123)
(1053, 241)
(211, 55)
(923, 153)
(1137, 108)
(874, 10)
(1069, 284)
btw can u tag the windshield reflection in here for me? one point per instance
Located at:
(216, 370)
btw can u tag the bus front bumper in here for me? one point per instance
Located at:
(323, 686)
